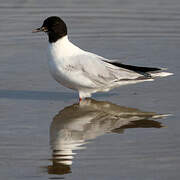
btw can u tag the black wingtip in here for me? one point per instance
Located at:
(141, 70)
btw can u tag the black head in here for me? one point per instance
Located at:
(55, 27)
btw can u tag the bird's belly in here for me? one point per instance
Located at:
(60, 75)
(71, 79)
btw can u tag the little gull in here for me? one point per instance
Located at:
(86, 72)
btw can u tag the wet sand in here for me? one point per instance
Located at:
(31, 102)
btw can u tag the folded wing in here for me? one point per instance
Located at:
(101, 71)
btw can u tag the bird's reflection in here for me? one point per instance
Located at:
(75, 125)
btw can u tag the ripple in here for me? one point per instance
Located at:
(76, 125)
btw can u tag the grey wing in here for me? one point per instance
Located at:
(101, 72)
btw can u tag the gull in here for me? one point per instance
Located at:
(87, 72)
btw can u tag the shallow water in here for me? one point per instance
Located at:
(45, 134)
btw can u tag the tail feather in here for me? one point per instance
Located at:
(148, 72)
(161, 74)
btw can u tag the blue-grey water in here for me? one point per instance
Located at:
(130, 133)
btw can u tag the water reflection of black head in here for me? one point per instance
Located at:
(78, 123)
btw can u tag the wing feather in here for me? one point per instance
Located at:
(100, 72)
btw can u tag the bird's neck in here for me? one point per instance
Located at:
(63, 47)
(55, 36)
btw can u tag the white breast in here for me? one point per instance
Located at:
(60, 54)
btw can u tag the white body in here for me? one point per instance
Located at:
(87, 72)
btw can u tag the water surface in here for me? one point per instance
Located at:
(46, 134)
